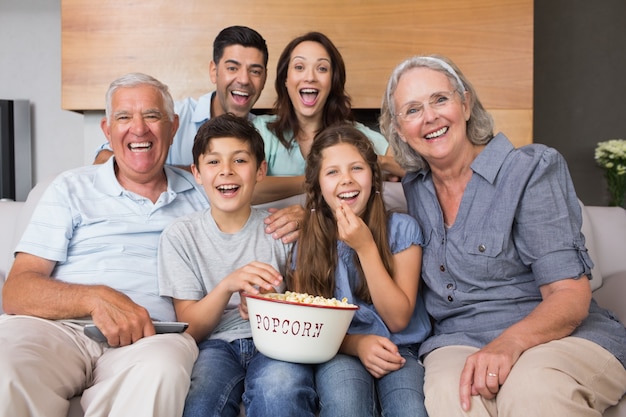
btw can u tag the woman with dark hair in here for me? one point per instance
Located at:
(311, 95)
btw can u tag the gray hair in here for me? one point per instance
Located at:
(479, 126)
(136, 79)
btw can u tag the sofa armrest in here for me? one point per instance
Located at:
(609, 230)
(611, 294)
(9, 213)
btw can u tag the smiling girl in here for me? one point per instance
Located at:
(350, 246)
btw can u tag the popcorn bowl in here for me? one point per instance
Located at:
(297, 332)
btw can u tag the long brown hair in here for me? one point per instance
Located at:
(337, 107)
(316, 250)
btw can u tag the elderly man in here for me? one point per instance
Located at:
(238, 70)
(89, 254)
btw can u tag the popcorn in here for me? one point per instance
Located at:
(304, 298)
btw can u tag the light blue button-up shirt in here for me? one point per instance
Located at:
(99, 233)
(192, 114)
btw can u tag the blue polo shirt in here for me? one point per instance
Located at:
(99, 233)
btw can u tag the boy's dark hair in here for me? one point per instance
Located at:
(228, 126)
(239, 35)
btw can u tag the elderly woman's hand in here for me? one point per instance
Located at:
(486, 370)
(565, 305)
(285, 223)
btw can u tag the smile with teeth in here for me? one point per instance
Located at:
(437, 133)
(227, 188)
(240, 93)
(140, 146)
(348, 195)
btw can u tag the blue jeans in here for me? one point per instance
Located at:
(347, 389)
(227, 373)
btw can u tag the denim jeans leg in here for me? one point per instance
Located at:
(276, 388)
(401, 392)
(216, 381)
(345, 388)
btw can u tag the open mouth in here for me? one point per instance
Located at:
(309, 96)
(140, 146)
(350, 195)
(240, 97)
(437, 133)
(229, 189)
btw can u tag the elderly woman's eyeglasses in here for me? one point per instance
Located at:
(415, 110)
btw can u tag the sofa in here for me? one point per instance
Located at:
(603, 227)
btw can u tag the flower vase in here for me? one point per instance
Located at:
(611, 155)
(617, 188)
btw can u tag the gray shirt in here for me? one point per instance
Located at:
(517, 228)
(195, 255)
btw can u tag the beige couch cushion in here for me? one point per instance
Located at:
(10, 212)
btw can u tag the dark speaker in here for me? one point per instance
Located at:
(15, 150)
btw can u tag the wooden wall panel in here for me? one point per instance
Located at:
(491, 40)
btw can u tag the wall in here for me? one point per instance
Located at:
(491, 40)
(578, 96)
(580, 84)
(30, 68)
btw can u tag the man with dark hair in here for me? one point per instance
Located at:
(239, 72)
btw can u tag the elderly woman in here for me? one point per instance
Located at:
(504, 262)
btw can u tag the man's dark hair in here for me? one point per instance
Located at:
(228, 125)
(238, 35)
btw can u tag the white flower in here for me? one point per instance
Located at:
(611, 155)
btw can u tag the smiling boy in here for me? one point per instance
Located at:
(208, 258)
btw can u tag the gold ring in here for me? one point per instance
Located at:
(491, 374)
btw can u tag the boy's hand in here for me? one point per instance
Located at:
(253, 278)
(243, 305)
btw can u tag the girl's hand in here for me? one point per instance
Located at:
(378, 354)
(351, 228)
(243, 307)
